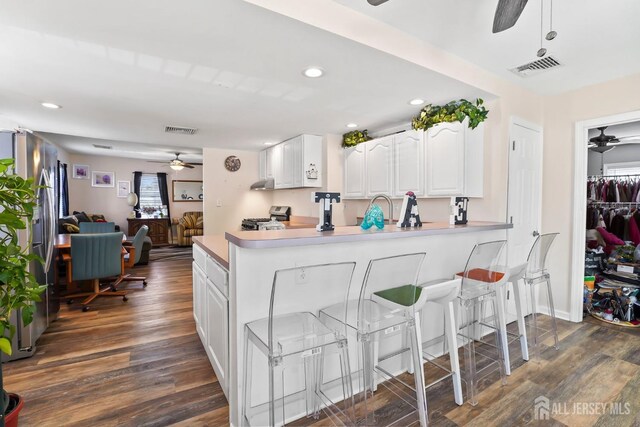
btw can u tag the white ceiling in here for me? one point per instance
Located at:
(123, 70)
(597, 40)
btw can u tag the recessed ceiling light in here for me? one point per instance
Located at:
(313, 72)
(268, 143)
(416, 101)
(50, 105)
(352, 125)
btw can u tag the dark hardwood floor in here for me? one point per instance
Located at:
(141, 363)
(138, 363)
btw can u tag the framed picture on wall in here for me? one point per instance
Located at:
(102, 179)
(124, 188)
(81, 171)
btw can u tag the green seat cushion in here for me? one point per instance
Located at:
(406, 295)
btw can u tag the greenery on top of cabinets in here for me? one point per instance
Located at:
(454, 111)
(355, 137)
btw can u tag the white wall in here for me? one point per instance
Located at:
(232, 190)
(84, 197)
(561, 113)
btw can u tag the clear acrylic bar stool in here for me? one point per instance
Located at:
(297, 346)
(386, 312)
(480, 280)
(445, 292)
(536, 273)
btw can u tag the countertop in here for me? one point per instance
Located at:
(309, 236)
(216, 246)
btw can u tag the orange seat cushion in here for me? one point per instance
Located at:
(483, 275)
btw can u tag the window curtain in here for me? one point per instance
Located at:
(137, 179)
(164, 191)
(63, 190)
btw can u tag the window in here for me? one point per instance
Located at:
(619, 169)
(149, 191)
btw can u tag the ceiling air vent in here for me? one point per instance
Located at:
(536, 67)
(104, 147)
(180, 129)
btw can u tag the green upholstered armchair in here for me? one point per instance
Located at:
(97, 227)
(131, 258)
(93, 257)
(189, 225)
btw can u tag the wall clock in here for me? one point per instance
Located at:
(232, 163)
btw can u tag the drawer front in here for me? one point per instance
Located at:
(200, 257)
(218, 276)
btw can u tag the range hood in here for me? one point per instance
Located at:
(263, 184)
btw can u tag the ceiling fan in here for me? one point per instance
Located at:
(177, 164)
(603, 143)
(507, 13)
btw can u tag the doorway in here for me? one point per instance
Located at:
(579, 202)
(524, 199)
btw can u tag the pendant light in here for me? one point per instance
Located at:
(542, 51)
(551, 34)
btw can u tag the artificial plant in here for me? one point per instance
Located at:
(355, 137)
(454, 111)
(19, 288)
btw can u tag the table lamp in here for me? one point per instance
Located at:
(132, 200)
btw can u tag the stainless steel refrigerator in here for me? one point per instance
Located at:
(36, 158)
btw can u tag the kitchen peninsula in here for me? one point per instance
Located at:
(232, 284)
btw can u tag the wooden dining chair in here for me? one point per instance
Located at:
(94, 257)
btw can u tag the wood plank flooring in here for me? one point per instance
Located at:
(138, 363)
(141, 363)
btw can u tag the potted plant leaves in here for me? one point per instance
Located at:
(18, 287)
(454, 111)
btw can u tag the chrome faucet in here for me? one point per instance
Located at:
(388, 199)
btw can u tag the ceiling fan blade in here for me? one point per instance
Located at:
(507, 14)
(156, 161)
(629, 138)
(187, 165)
(194, 163)
(376, 2)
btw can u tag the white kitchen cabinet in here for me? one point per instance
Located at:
(211, 311)
(277, 165)
(295, 163)
(454, 160)
(445, 160)
(379, 166)
(354, 172)
(217, 331)
(199, 303)
(408, 155)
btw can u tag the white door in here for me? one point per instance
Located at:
(408, 152)
(288, 163)
(445, 160)
(199, 300)
(297, 170)
(354, 172)
(276, 165)
(525, 196)
(524, 203)
(379, 159)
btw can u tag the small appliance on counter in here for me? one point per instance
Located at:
(277, 214)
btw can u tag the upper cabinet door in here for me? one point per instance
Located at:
(445, 160)
(297, 172)
(354, 172)
(263, 165)
(408, 153)
(379, 170)
(276, 165)
(288, 162)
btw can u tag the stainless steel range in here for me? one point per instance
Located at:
(277, 214)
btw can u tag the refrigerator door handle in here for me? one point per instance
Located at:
(49, 207)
